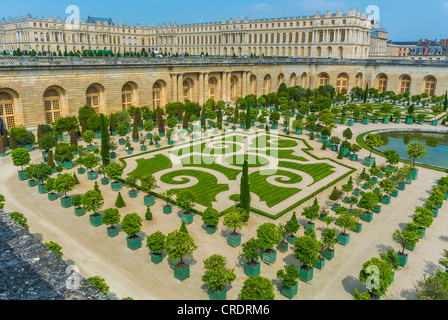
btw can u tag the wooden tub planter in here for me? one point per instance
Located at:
(292, 239)
(219, 295)
(133, 194)
(234, 239)
(210, 229)
(252, 269)
(104, 181)
(329, 254)
(81, 170)
(112, 232)
(320, 264)
(290, 292)
(167, 209)
(156, 258)
(306, 273)
(134, 242)
(283, 246)
(41, 189)
(79, 212)
(269, 257)
(187, 217)
(32, 183)
(181, 271)
(358, 228)
(116, 186)
(368, 216)
(52, 196)
(92, 175)
(66, 202)
(149, 200)
(96, 220)
(22, 175)
(344, 239)
(402, 259)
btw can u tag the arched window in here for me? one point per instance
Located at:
(187, 90)
(127, 96)
(93, 98)
(319, 52)
(405, 85)
(157, 95)
(342, 82)
(280, 80)
(52, 103)
(233, 88)
(382, 83)
(212, 82)
(359, 80)
(293, 79)
(324, 79)
(305, 80)
(430, 86)
(253, 84)
(7, 110)
(267, 84)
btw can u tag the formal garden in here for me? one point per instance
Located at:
(278, 180)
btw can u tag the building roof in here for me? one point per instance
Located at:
(102, 20)
(433, 49)
(31, 271)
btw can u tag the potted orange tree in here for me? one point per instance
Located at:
(307, 251)
(234, 220)
(290, 283)
(114, 171)
(131, 225)
(156, 245)
(217, 276)
(269, 235)
(180, 244)
(210, 217)
(111, 217)
(251, 255)
(148, 183)
(93, 201)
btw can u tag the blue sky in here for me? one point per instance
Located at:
(406, 20)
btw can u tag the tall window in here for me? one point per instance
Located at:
(280, 80)
(358, 80)
(430, 86)
(126, 96)
(267, 84)
(7, 110)
(157, 95)
(342, 82)
(405, 84)
(187, 90)
(324, 79)
(233, 88)
(52, 103)
(212, 88)
(253, 84)
(382, 83)
(93, 98)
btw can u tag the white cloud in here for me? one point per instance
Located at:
(445, 5)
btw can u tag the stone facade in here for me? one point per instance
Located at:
(322, 35)
(42, 89)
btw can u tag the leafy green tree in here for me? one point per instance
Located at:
(217, 275)
(385, 275)
(131, 224)
(290, 276)
(20, 219)
(392, 257)
(405, 238)
(269, 235)
(179, 244)
(64, 152)
(245, 189)
(111, 217)
(292, 226)
(20, 158)
(105, 142)
(92, 201)
(433, 287)
(234, 220)
(47, 142)
(416, 151)
(148, 183)
(373, 141)
(346, 222)
(361, 296)
(114, 171)
(186, 200)
(210, 217)
(56, 248)
(100, 284)
(64, 183)
(257, 288)
(250, 251)
(39, 172)
(392, 157)
(156, 243)
(307, 250)
(88, 136)
(368, 201)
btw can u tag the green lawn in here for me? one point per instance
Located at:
(318, 171)
(209, 163)
(158, 163)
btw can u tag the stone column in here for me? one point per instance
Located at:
(244, 83)
(224, 86)
(174, 87)
(180, 88)
(201, 89)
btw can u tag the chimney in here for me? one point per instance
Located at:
(426, 47)
(419, 41)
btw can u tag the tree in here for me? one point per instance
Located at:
(311, 212)
(385, 275)
(105, 142)
(234, 220)
(433, 287)
(122, 130)
(100, 284)
(290, 276)
(20, 158)
(346, 222)
(257, 288)
(269, 235)
(63, 152)
(47, 142)
(148, 183)
(92, 201)
(64, 183)
(156, 243)
(114, 171)
(131, 224)
(186, 200)
(245, 189)
(405, 238)
(20, 219)
(90, 161)
(292, 226)
(178, 245)
(39, 172)
(130, 182)
(111, 217)
(392, 157)
(373, 141)
(392, 257)
(13, 141)
(347, 134)
(211, 217)
(56, 248)
(119, 203)
(88, 136)
(250, 251)
(307, 250)
(217, 275)
(368, 201)
(416, 151)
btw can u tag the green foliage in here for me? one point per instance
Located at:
(416, 151)
(64, 183)
(119, 203)
(56, 248)
(20, 219)
(92, 201)
(111, 217)
(100, 284)
(114, 171)
(346, 222)
(361, 296)
(385, 274)
(148, 214)
(257, 288)
(183, 228)
(210, 217)
(368, 201)
(307, 250)
(47, 142)
(433, 287)
(148, 182)
(269, 235)
(20, 157)
(64, 152)
(131, 224)
(186, 200)
(292, 226)
(217, 275)
(39, 172)
(179, 244)
(392, 257)
(234, 219)
(250, 250)
(290, 276)
(405, 238)
(156, 242)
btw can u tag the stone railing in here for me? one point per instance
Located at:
(27, 61)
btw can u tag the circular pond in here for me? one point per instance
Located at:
(436, 144)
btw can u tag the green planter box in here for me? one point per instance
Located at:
(112, 232)
(81, 170)
(187, 217)
(90, 147)
(374, 179)
(116, 186)
(397, 120)
(167, 209)
(134, 243)
(386, 120)
(234, 240)
(41, 189)
(252, 270)
(290, 292)
(414, 174)
(329, 255)
(133, 194)
(409, 120)
(22, 176)
(408, 181)
(357, 192)
(104, 181)
(79, 212)
(29, 147)
(182, 273)
(156, 258)
(283, 246)
(434, 122)
(365, 121)
(320, 264)
(306, 275)
(210, 229)
(369, 161)
(67, 165)
(386, 200)
(66, 202)
(401, 186)
(52, 196)
(344, 239)
(269, 258)
(435, 212)
(121, 142)
(143, 148)
(368, 216)
(403, 260)
(353, 157)
(218, 295)
(350, 123)
(335, 207)
(292, 239)
(358, 228)
(129, 151)
(149, 200)
(377, 209)
(113, 155)
(2, 154)
(395, 193)
(32, 183)
(92, 175)
(96, 220)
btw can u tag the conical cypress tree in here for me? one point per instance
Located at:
(76, 178)
(183, 228)
(39, 132)
(13, 141)
(445, 103)
(50, 161)
(73, 140)
(83, 127)
(2, 146)
(366, 93)
(219, 115)
(5, 139)
(185, 121)
(245, 190)
(179, 112)
(135, 130)
(113, 123)
(160, 122)
(119, 203)
(203, 113)
(105, 142)
(248, 119)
